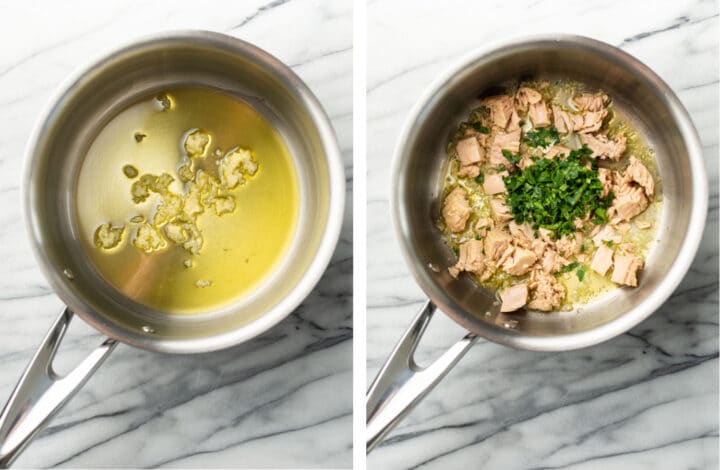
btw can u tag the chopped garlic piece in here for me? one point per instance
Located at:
(203, 283)
(107, 236)
(224, 205)
(196, 142)
(161, 183)
(176, 233)
(235, 166)
(148, 239)
(188, 263)
(193, 206)
(130, 171)
(164, 101)
(195, 239)
(140, 189)
(185, 172)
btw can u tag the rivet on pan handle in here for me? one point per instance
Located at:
(41, 393)
(401, 383)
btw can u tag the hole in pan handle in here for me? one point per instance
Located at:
(41, 392)
(401, 383)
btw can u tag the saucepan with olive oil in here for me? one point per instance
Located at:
(183, 194)
(548, 194)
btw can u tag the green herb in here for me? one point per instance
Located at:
(480, 128)
(456, 250)
(580, 273)
(514, 159)
(569, 267)
(479, 179)
(542, 137)
(553, 193)
(608, 243)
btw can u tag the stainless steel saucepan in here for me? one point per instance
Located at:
(420, 160)
(54, 157)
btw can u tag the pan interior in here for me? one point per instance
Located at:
(224, 249)
(90, 103)
(421, 164)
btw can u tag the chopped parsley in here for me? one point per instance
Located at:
(608, 243)
(542, 137)
(479, 179)
(552, 193)
(480, 128)
(569, 267)
(514, 159)
(580, 273)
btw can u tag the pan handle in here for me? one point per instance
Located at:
(401, 383)
(41, 393)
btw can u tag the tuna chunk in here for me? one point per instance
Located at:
(456, 210)
(605, 177)
(629, 201)
(514, 123)
(501, 109)
(553, 262)
(569, 244)
(538, 247)
(640, 174)
(470, 154)
(539, 115)
(504, 141)
(496, 243)
(500, 211)
(526, 96)
(602, 260)
(494, 184)
(520, 262)
(626, 268)
(470, 171)
(591, 101)
(556, 150)
(546, 236)
(607, 234)
(604, 148)
(525, 162)
(531, 101)
(483, 225)
(548, 293)
(469, 151)
(521, 232)
(586, 122)
(470, 258)
(514, 297)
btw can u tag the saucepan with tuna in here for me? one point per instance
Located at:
(548, 194)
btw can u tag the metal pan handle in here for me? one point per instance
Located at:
(401, 383)
(41, 392)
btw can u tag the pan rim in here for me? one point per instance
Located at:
(600, 333)
(330, 233)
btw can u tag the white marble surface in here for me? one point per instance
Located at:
(283, 400)
(645, 400)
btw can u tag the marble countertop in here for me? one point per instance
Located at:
(282, 400)
(645, 400)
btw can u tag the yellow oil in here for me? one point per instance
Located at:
(240, 248)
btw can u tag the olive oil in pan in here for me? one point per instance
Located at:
(242, 240)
